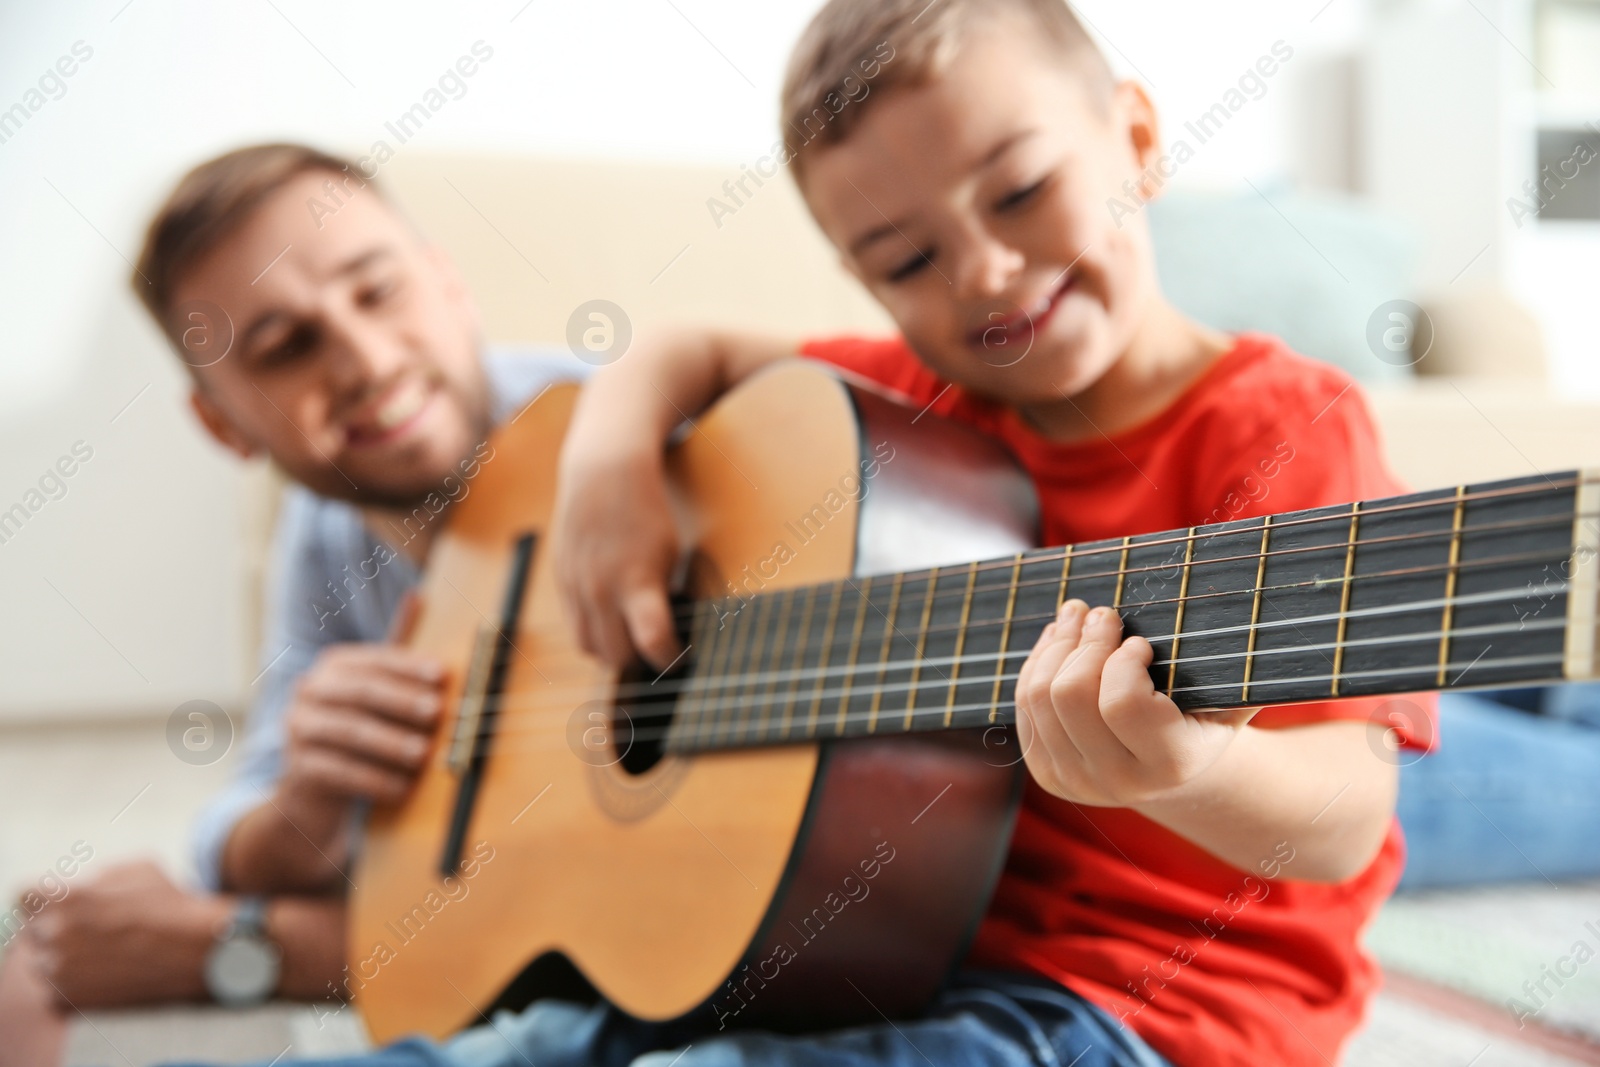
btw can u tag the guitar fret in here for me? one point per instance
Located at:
(922, 643)
(1255, 610)
(1581, 645)
(1344, 597)
(763, 618)
(1122, 573)
(826, 651)
(883, 653)
(766, 702)
(1005, 638)
(1213, 635)
(1450, 583)
(1183, 598)
(717, 641)
(1066, 575)
(687, 713)
(711, 692)
(865, 589)
(728, 711)
(1547, 584)
(961, 640)
(799, 659)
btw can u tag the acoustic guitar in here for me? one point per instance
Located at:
(799, 823)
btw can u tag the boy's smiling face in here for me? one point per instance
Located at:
(973, 206)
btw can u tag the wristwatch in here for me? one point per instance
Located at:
(242, 967)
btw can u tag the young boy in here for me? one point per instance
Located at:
(1201, 880)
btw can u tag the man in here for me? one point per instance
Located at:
(348, 350)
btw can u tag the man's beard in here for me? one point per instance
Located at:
(362, 493)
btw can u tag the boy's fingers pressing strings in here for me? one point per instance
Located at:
(1055, 644)
(1144, 718)
(1075, 690)
(1139, 717)
(1040, 725)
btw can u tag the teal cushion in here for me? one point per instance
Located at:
(1309, 268)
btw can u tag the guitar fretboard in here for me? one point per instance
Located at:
(1447, 589)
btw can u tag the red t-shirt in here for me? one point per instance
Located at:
(1208, 963)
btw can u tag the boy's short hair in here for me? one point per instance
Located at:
(209, 203)
(853, 47)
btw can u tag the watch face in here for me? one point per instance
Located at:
(242, 970)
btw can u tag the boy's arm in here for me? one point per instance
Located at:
(613, 531)
(1095, 731)
(1317, 790)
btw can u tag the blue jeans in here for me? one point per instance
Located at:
(1002, 1020)
(1510, 795)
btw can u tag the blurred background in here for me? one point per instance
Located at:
(1424, 151)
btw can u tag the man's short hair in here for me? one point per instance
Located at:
(854, 49)
(212, 201)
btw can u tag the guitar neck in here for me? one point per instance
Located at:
(1479, 586)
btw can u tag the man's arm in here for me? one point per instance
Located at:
(359, 728)
(614, 539)
(133, 937)
(337, 721)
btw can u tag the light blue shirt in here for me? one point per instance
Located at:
(320, 595)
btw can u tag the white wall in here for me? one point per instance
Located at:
(150, 603)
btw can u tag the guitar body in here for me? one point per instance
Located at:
(794, 886)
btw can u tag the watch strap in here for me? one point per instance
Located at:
(249, 918)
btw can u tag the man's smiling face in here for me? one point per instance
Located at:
(355, 354)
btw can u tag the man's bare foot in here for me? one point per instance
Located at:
(33, 1025)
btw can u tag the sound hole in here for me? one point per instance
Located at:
(640, 718)
(643, 711)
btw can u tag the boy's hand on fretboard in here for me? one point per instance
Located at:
(1092, 726)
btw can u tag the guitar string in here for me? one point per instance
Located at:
(1430, 669)
(1467, 565)
(703, 684)
(720, 719)
(513, 722)
(1126, 546)
(523, 738)
(729, 683)
(1188, 598)
(997, 656)
(518, 706)
(691, 612)
(1340, 519)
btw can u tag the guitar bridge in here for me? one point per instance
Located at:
(469, 719)
(480, 703)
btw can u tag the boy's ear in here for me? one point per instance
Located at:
(1140, 125)
(219, 426)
